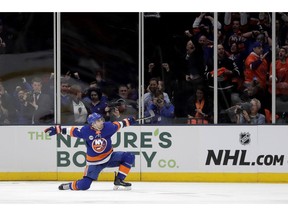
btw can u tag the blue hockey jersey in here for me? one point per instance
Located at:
(98, 142)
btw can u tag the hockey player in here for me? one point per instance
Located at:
(99, 154)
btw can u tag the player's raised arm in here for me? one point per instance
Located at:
(58, 129)
(53, 130)
(125, 122)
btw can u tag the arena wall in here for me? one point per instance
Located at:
(163, 153)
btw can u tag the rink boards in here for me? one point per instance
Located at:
(163, 153)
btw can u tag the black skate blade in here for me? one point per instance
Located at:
(121, 188)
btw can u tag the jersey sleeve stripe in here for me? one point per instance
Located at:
(70, 131)
(118, 124)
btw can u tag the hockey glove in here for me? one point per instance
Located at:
(51, 131)
(131, 120)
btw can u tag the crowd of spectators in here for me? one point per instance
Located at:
(178, 91)
(244, 66)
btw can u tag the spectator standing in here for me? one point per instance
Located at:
(194, 64)
(76, 111)
(24, 111)
(42, 104)
(281, 84)
(65, 97)
(161, 71)
(281, 74)
(256, 73)
(227, 72)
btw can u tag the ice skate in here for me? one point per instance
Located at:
(120, 184)
(64, 186)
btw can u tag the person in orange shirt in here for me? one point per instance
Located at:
(281, 74)
(256, 67)
(256, 74)
(281, 79)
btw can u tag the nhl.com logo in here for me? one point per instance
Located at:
(244, 138)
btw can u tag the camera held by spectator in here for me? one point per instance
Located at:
(237, 110)
(160, 101)
(243, 106)
(114, 104)
(29, 97)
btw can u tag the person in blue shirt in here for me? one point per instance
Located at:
(164, 111)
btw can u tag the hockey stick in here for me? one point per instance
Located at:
(152, 114)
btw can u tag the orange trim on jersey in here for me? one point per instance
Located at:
(71, 131)
(98, 157)
(74, 187)
(118, 124)
(124, 169)
(220, 71)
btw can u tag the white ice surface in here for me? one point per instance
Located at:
(46, 192)
(146, 198)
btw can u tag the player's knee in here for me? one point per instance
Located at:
(84, 184)
(129, 158)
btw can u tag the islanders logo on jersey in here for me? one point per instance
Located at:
(99, 145)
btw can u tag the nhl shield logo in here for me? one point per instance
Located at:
(244, 138)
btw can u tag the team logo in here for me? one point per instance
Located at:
(244, 138)
(99, 145)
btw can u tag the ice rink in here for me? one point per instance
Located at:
(46, 192)
(102, 193)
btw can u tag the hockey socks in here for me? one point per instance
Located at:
(125, 166)
(83, 184)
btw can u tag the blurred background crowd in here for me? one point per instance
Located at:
(102, 67)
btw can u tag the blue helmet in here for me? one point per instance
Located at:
(93, 117)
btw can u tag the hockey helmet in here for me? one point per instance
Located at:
(93, 117)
